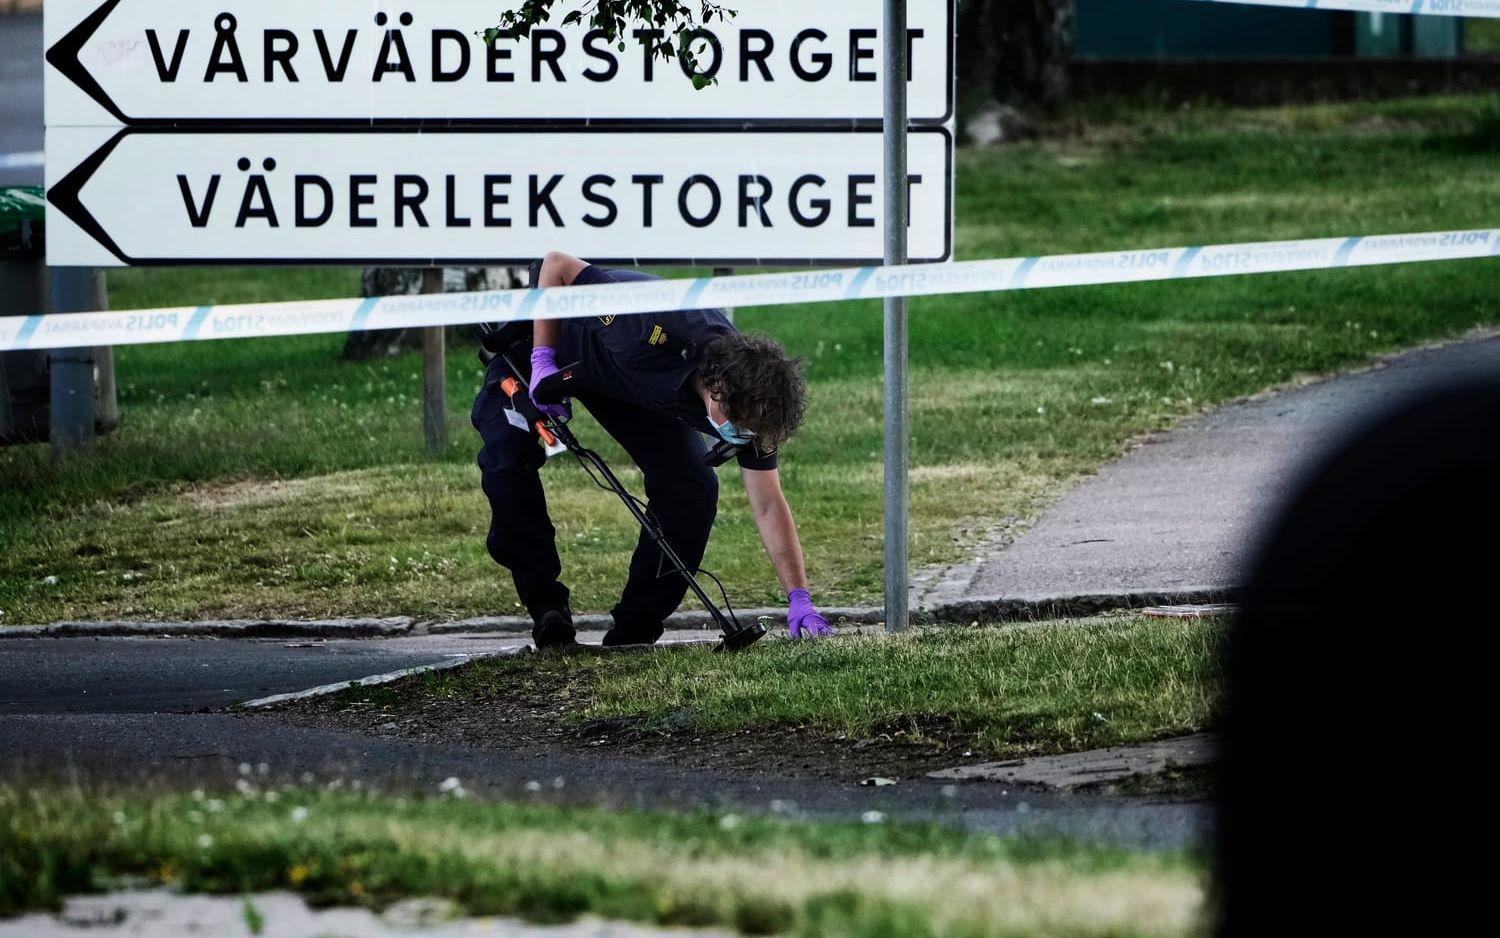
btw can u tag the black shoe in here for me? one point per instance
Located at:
(632, 635)
(554, 630)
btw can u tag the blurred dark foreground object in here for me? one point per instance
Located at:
(1362, 671)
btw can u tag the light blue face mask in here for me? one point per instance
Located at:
(729, 433)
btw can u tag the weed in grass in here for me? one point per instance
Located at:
(254, 920)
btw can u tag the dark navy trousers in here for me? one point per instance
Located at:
(681, 491)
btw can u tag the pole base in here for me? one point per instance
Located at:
(742, 638)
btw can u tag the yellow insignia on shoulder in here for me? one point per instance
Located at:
(657, 336)
(607, 320)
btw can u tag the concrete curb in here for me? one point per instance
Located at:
(375, 679)
(457, 661)
(960, 612)
(1065, 605)
(1095, 767)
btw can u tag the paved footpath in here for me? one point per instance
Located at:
(1182, 512)
(284, 915)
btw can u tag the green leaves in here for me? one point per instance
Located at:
(667, 28)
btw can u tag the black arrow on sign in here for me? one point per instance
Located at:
(65, 194)
(64, 58)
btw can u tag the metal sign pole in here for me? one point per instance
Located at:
(434, 372)
(71, 421)
(896, 199)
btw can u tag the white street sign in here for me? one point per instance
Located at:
(468, 195)
(115, 62)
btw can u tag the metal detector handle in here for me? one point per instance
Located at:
(521, 401)
(555, 388)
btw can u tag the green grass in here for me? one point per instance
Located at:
(1008, 691)
(755, 875)
(1014, 396)
(1482, 36)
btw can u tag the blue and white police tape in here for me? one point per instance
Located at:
(1484, 8)
(190, 324)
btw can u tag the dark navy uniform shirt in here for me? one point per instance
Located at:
(648, 359)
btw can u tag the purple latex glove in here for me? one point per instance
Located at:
(543, 364)
(803, 618)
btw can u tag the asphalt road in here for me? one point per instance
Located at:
(121, 710)
(20, 97)
(1184, 511)
(148, 675)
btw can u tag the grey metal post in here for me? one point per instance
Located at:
(897, 611)
(107, 418)
(71, 371)
(434, 372)
(726, 272)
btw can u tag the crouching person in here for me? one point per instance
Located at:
(658, 383)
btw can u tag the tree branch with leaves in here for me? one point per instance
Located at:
(668, 28)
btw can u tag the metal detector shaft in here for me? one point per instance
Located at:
(658, 537)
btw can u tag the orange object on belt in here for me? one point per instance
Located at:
(512, 387)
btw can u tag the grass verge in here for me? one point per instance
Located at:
(267, 477)
(756, 875)
(854, 705)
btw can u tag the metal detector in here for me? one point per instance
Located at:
(553, 431)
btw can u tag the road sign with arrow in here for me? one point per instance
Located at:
(288, 132)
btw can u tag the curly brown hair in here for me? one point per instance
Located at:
(756, 384)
